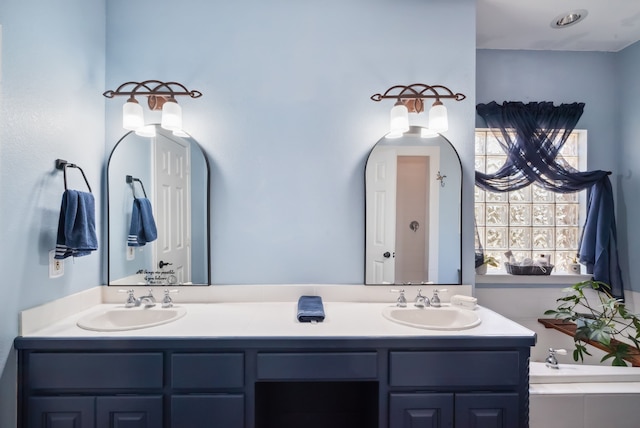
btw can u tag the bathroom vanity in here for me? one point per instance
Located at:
(252, 365)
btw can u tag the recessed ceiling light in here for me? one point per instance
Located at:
(568, 19)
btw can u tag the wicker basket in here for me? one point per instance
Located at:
(528, 270)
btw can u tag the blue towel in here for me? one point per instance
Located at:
(310, 309)
(76, 225)
(143, 226)
(598, 246)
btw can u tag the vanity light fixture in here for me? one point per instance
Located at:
(410, 99)
(160, 96)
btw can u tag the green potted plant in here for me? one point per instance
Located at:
(605, 321)
(487, 261)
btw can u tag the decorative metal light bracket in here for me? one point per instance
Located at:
(157, 92)
(412, 96)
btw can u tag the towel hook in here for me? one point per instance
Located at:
(131, 179)
(63, 165)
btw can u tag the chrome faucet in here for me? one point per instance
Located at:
(421, 301)
(131, 299)
(435, 300)
(167, 302)
(552, 361)
(147, 301)
(402, 301)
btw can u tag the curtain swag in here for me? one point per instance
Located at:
(532, 136)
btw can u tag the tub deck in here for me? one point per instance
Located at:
(583, 396)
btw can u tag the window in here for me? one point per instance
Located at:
(532, 220)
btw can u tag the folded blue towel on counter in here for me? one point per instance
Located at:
(76, 225)
(310, 309)
(143, 226)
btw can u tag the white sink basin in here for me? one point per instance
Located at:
(119, 319)
(444, 318)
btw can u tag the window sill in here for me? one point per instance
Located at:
(504, 278)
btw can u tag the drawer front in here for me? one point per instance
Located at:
(317, 366)
(89, 371)
(207, 411)
(207, 371)
(455, 368)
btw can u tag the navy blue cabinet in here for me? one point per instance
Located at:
(207, 410)
(60, 412)
(488, 410)
(464, 410)
(458, 372)
(273, 382)
(130, 412)
(55, 379)
(94, 412)
(409, 410)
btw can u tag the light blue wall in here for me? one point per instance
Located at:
(53, 67)
(286, 116)
(628, 180)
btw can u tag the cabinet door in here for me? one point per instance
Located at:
(423, 410)
(207, 411)
(130, 412)
(61, 412)
(487, 410)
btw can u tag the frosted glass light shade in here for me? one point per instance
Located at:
(171, 116)
(132, 115)
(399, 120)
(438, 120)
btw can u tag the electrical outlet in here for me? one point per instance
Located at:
(56, 266)
(131, 253)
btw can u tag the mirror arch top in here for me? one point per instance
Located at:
(413, 189)
(172, 173)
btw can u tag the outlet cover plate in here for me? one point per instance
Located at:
(56, 267)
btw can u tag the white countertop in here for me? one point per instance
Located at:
(273, 319)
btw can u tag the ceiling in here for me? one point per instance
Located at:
(610, 25)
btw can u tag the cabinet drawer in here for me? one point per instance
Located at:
(206, 371)
(455, 368)
(318, 366)
(91, 371)
(207, 411)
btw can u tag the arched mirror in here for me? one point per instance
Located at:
(413, 204)
(160, 181)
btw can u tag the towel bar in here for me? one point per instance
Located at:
(131, 179)
(63, 165)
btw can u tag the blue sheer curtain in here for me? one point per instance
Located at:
(532, 136)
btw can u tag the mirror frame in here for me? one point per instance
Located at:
(208, 212)
(415, 132)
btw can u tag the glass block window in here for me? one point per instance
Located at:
(532, 220)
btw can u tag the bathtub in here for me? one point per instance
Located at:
(583, 396)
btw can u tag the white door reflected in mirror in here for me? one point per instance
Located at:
(412, 220)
